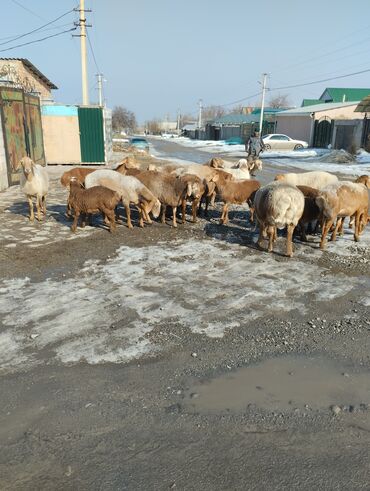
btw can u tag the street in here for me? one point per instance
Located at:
(181, 359)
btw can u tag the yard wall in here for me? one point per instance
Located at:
(3, 167)
(61, 134)
(297, 127)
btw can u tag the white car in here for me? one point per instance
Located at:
(282, 142)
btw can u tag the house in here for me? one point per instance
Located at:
(364, 108)
(335, 94)
(318, 124)
(20, 73)
(239, 125)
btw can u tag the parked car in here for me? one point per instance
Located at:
(234, 140)
(139, 143)
(282, 142)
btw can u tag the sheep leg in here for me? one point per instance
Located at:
(38, 207)
(206, 207)
(261, 234)
(194, 210)
(75, 221)
(213, 198)
(183, 211)
(30, 203)
(141, 221)
(174, 209)
(83, 220)
(302, 229)
(271, 235)
(289, 240)
(163, 215)
(357, 226)
(351, 220)
(112, 220)
(325, 229)
(128, 215)
(225, 215)
(336, 228)
(146, 215)
(341, 226)
(43, 201)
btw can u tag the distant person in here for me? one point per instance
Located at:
(255, 145)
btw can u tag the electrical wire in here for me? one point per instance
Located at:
(319, 81)
(60, 26)
(240, 100)
(35, 30)
(92, 51)
(38, 40)
(27, 10)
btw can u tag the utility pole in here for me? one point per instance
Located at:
(100, 88)
(85, 89)
(178, 121)
(200, 114)
(264, 78)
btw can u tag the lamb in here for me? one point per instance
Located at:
(128, 162)
(235, 192)
(364, 179)
(313, 179)
(169, 189)
(130, 190)
(278, 205)
(311, 212)
(198, 189)
(79, 173)
(240, 170)
(93, 200)
(34, 182)
(339, 200)
(252, 164)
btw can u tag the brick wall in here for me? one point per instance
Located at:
(25, 74)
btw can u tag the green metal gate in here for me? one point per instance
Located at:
(323, 132)
(90, 121)
(22, 130)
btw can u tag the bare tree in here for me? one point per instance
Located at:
(212, 112)
(279, 101)
(123, 119)
(153, 127)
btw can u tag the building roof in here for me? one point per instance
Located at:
(268, 110)
(310, 102)
(236, 119)
(325, 106)
(364, 105)
(31, 67)
(349, 94)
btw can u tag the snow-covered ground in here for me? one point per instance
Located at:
(102, 315)
(310, 159)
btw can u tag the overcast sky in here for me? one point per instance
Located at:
(162, 55)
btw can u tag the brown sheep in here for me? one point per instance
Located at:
(235, 192)
(311, 211)
(169, 189)
(198, 188)
(89, 201)
(79, 173)
(339, 200)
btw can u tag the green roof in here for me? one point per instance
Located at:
(310, 102)
(337, 94)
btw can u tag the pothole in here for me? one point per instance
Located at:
(283, 383)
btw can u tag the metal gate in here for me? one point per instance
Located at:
(90, 121)
(22, 130)
(365, 139)
(323, 132)
(344, 137)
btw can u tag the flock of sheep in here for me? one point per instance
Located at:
(309, 199)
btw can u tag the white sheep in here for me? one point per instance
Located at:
(278, 205)
(240, 170)
(313, 179)
(131, 191)
(34, 182)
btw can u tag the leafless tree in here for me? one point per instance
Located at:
(279, 101)
(212, 112)
(123, 119)
(153, 127)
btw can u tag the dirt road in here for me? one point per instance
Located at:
(180, 359)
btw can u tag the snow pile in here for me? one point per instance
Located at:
(338, 157)
(107, 310)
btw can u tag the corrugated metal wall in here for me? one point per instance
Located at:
(91, 134)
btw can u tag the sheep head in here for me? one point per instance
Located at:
(156, 209)
(279, 177)
(216, 162)
(364, 179)
(27, 166)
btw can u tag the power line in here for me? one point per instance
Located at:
(240, 100)
(320, 81)
(35, 30)
(38, 40)
(92, 52)
(27, 10)
(60, 26)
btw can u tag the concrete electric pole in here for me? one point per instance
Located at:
(264, 78)
(100, 88)
(85, 88)
(200, 114)
(178, 121)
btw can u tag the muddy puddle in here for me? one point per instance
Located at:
(283, 383)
